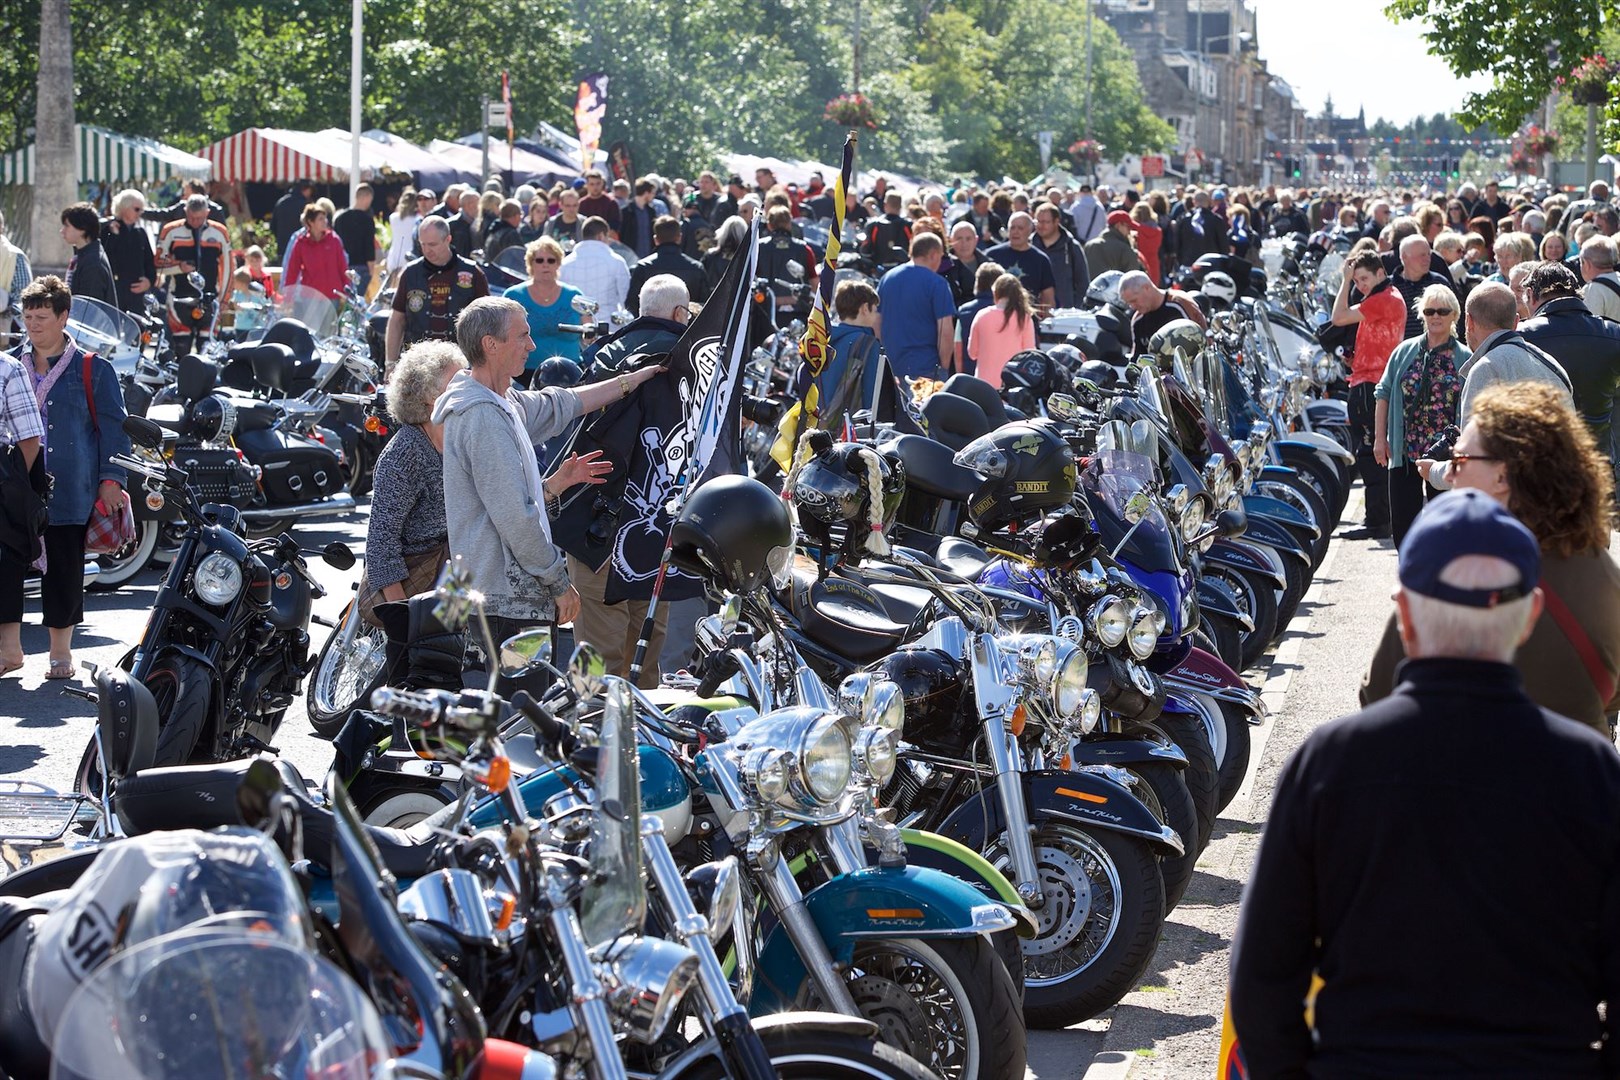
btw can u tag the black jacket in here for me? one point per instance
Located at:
(665, 259)
(635, 228)
(286, 218)
(129, 251)
(1589, 349)
(1381, 869)
(644, 335)
(1069, 271)
(91, 275)
(358, 231)
(176, 211)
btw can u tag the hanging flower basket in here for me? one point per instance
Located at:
(1539, 143)
(851, 111)
(1520, 163)
(1085, 152)
(1589, 82)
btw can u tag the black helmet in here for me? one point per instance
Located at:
(1026, 469)
(1068, 356)
(211, 418)
(557, 371)
(1104, 375)
(1183, 334)
(735, 532)
(833, 488)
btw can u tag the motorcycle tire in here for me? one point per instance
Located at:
(1303, 497)
(404, 807)
(1167, 795)
(183, 706)
(361, 462)
(1202, 774)
(1293, 592)
(1224, 638)
(348, 668)
(121, 566)
(817, 1054)
(946, 1002)
(1323, 479)
(1258, 601)
(1121, 907)
(1235, 762)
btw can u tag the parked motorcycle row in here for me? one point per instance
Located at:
(942, 762)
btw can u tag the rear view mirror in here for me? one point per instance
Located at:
(337, 554)
(143, 432)
(1231, 523)
(587, 671)
(520, 652)
(1138, 506)
(455, 595)
(1063, 407)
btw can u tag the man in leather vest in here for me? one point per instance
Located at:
(432, 292)
(888, 236)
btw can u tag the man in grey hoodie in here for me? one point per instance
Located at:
(493, 498)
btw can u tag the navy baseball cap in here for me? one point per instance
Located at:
(1468, 522)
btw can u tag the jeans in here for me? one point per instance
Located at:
(1373, 475)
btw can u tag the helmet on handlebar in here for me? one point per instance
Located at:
(734, 532)
(557, 371)
(1104, 290)
(1025, 469)
(1183, 334)
(1220, 288)
(836, 486)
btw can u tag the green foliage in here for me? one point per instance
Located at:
(962, 86)
(1524, 46)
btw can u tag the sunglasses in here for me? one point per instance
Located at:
(542, 262)
(1431, 312)
(1463, 459)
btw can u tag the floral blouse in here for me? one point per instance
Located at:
(1430, 412)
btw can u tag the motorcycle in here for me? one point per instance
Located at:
(227, 645)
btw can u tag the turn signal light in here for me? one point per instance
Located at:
(1018, 720)
(376, 426)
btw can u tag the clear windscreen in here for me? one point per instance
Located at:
(615, 899)
(310, 307)
(102, 328)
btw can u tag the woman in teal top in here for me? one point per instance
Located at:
(548, 303)
(1416, 401)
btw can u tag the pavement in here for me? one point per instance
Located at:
(1168, 1027)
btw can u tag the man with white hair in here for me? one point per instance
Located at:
(1599, 254)
(1415, 275)
(1288, 218)
(1375, 870)
(1154, 308)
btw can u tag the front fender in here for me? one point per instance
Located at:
(1263, 530)
(947, 856)
(1214, 599)
(1257, 505)
(1239, 557)
(1328, 411)
(1087, 799)
(876, 902)
(1109, 749)
(1314, 442)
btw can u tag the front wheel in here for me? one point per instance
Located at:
(122, 565)
(348, 668)
(947, 1002)
(1103, 904)
(815, 1054)
(1166, 793)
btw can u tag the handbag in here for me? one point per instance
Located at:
(421, 571)
(106, 531)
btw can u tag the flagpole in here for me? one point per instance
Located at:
(687, 480)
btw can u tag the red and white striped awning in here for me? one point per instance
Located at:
(280, 156)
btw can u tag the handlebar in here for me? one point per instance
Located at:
(426, 708)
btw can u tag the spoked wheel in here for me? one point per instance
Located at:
(1103, 904)
(347, 670)
(122, 565)
(1223, 637)
(818, 1054)
(1203, 772)
(947, 1002)
(1256, 601)
(1322, 478)
(1162, 788)
(1304, 498)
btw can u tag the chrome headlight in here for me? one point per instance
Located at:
(798, 757)
(1179, 496)
(1090, 711)
(1144, 634)
(1110, 620)
(1069, 685)
(1037, 657)
(873, 700)
(875, 753)
(824, 759)
(645, 980)
(217, 579)
(1192, 520)
(766, 771)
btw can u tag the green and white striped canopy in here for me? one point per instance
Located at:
(108, 156)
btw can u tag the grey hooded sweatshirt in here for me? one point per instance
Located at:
(492, 498)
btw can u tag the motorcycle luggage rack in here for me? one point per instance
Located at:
(30, 811)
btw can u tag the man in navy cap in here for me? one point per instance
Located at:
(1447, 860)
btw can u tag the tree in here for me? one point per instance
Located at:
(56, 179)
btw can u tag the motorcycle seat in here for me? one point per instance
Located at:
(930, 470)
(982, 394)
(293, 334)
(276, 367)
(195, 377)
(954, 420)
(255, 415)
(844, 616)
(962, 558)
(22, 1053)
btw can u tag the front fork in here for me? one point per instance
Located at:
(995, 701)
(787, 900)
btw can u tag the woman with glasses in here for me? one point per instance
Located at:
(1526, 447)
(548, 303)
(1416, 401)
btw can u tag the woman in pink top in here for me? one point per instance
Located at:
(992, 341)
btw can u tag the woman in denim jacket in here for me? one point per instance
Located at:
(77, 453)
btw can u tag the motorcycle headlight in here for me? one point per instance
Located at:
(1110, 620)
(1144, 634)
(824, 759)
(217, 579)
(875, 753)
(1192, 520)
(886, 708)
(1069, 686)
(1179, 496)
(1090, 711)
(766, 771)
(645, 980)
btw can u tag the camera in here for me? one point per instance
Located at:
(1440, 449)
(604, 519)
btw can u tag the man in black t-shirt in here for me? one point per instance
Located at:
(358, 231)
(1025, 262)
(1415, 275)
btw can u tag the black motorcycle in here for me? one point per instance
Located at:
(226, 648)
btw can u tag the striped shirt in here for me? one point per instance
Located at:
(19, 409)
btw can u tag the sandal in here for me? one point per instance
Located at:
(60, 669)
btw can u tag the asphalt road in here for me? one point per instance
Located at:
(1169, 1027)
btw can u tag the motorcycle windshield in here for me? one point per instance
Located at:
(310, 307)
(1139, 438)
(514, 260)
(614, 901)
(1110, 481)
(233, 1005)
(102, 328)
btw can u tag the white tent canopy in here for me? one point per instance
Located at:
(106, 156)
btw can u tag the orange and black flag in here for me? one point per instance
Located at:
(814, 347)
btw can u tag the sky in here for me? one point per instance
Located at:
(1311, 43)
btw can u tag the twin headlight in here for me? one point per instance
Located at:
(1053, 668)
(1110, 620)
(799, 758)
(880, 709)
